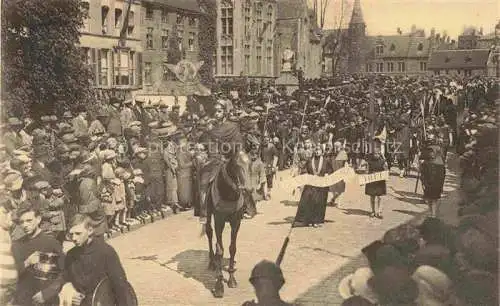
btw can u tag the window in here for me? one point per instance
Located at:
(423, 66)
(148, 73)
(131, 67)
(123, 67)
(258, 10)
(90, 61)
(468, 73)
(390, 67)
(102, 61)
(380, 67)
(269, 60)
(131, 24)
(149, 13)
(227, 18)
(180, 35)
(164, 39)
(420, 47)
(392, 48)
(192, 21)
(247, 49)
(191, 41)
(247, 26)
(247, 64)
(259, 60)
(270, 13)
(369, 67)
(104, 18)
(86, 18)
(379, 50)
(164, 15)
(180, 19)
(401, 67)
(227, 60)
(149, 38)
(118, 18)
(248, 8)
(139, 71)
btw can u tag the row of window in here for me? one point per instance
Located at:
(165, 39)
(379, 49)
(401, 67)
(113, 67)
(259, 7)
(465, 72)
(261, 67)
(118, 20)
(165, 16)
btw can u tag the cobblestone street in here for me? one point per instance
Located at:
(167, 261)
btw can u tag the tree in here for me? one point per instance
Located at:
(335, 42)
(174, 52)
(322, 12)
(43, 70)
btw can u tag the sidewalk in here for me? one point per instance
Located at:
(326, 291)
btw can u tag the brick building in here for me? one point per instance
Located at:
(167, 25)
(117, 68)
(245, 39)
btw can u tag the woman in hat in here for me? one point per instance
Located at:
(432, 174)
(375, 190)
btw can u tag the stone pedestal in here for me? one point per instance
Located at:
(288, 80)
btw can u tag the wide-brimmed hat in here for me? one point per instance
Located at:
(13, 180)
(434, 286)
(356, 284)
(67, 115)
(69, 138)
(138, 150)
(107, 154)
(13, 121)
(40, 185)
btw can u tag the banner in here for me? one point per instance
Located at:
(364, 179)
(343, 174)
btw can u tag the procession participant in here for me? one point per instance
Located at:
(35, 285)
(313, 199)
(432, 173)
(375, 190)
(174, 114)
(256, 176)
(267, 280)
(269, 155)
(339, 159)
(223, 141)
(403, 138)
(444, 136)
(8, 270)
(171, 168)
(12, 139)
(199, 160)
(155, 184)
(185, 172)
(89, 262)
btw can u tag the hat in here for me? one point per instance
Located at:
(14, 121)
(253, 115)
(23, 158)
(13, 181)
(258, 108)
(19, 152)
(166, 124)
(153, 125)
(45, 119)
(74, 154)
(434, 287)
(53, 118)
(404, 237)
(137, 172)
(67, 115)
(128, 101)
(41, 185)
(135, 123)
(108, 154)
(356, 284)
(112, 142)
(138, 150)
(269, 270)
(69, 138)
(140, 101)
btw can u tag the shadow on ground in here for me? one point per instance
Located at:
(289, 203)
(190, 264)
(355, 211)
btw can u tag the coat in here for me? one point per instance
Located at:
(89, 203)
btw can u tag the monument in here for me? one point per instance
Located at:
(286, 78)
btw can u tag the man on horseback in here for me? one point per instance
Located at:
(223, 186)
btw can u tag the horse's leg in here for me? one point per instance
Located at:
(235, 227)
(209, 232)
(219, 254)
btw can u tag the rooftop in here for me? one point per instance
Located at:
(185, 5)
(453, 59)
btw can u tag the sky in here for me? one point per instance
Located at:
(383, 17)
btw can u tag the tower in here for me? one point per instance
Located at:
(356, 34)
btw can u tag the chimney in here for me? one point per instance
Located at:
(433, 32)
(481, 31)
(413, 29)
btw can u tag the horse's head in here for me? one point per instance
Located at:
(240, 165)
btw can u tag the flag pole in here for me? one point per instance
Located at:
(295, 149)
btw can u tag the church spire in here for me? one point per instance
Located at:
(357, 13)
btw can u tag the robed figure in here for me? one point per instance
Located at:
(312, 205)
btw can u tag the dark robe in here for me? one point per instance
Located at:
(312, 205)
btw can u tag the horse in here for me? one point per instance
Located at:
(225, 202)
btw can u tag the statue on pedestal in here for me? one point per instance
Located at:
(287, 59)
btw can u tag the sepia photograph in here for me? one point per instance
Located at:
(249, 152)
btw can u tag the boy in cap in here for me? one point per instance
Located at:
(267, 280)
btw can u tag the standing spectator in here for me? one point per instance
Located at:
(171, 168)
(433, 174)
(8, 271)
(80, 123)
(89, 262)
(89, 202)
(36, 286)
(270, 158)
(185, 173)
(114, 126)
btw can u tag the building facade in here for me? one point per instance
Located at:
(116, 63)
(298, 31)
(464, 62)
(169, 33)
(245, 39)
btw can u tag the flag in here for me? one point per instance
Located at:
(327, 101)
(123, 31)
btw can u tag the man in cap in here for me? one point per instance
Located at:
(29, 252)
(267, 280)
(12, 139)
